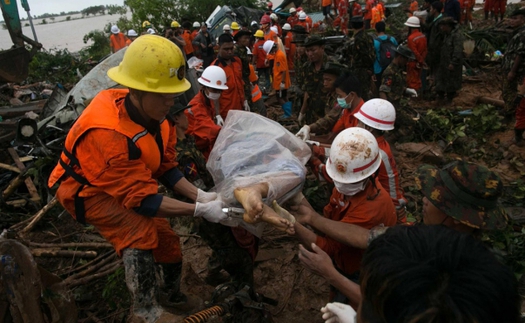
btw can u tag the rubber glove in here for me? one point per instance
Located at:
(282, 86)
(205, 197)
(338, 313)
(411, 92)
(219, 120)
(211, 211)
(304, 133)
(301, 117)
(246, 106)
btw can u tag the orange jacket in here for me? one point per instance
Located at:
(362, 210)
(280, 71)
(417, 42)
(376, 17)
(368, 8)
(270, 35)
(100, 141)
(117, 42)
(233, 97)
(381, 9)
(356, 9)
(201, 124)
(414, 6)
(388, 175)
(304, 24)
(292, 20)
(310, 22)
(259, 53)
(290, 50)
(347, 119)
(188, 48)
(325, 3)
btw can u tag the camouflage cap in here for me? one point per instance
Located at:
(405, 51)
(447, 21)
(334, 68)
(313, 40)
(465, 191)
(298, 29)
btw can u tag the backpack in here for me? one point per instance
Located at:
(386, 52)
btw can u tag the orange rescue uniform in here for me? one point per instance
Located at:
(414, 6)
(499, 7)
(100, 149)
(292, 20)
(196, 48)
(188, 48)
(347, 119)
(368, 208)
(290, 50)
(117, 42)
(233, 97)
(417, 42)
(280, 71)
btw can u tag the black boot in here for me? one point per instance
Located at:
(518, 137)
(486, 15)
(172, 275)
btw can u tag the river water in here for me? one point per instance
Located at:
(62, 34)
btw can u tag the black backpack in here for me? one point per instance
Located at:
(386, 52)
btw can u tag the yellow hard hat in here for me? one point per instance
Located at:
(152, 64)
(259, 34)
(235, 26)
(175, 24)
(146, 24)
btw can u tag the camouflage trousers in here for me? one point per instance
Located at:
(366, 82)
(510, 91)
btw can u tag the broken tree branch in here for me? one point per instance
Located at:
(95, 245)
(39, 215)
(29, 182)
(88, 279)
(10, 168)
(63, 253)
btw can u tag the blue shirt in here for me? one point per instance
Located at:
(377, 44)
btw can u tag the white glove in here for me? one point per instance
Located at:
(246, 106)
(301, 117)
(304, 133)
(338, 313)
(211, 211)
(282, 86)
(219, 120)
(205, 197)
(411, 92)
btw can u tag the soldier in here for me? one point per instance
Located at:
(359, 54)
(242, 40)
(313, 103)
(450, 68)
(435, 36)
(513, 61)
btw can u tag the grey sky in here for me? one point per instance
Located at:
(39, 7)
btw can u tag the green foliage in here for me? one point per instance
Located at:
(115, 292)
(318, 194)
(93, 10)
(44, 22)
(116, 10)
(68, 18)
(55, 66)
(100, 47)
(509, 246)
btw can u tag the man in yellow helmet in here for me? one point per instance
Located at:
(117, 150)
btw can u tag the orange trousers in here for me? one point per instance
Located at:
(413, 76)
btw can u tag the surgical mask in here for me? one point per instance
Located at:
(350, 189)
(343, 104)
(213, 96)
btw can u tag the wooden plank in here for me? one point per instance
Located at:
(14, 111)
(9, 167)
(28, 181)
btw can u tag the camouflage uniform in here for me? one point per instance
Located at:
(227, 254)
(313, 85)
(242, 53)
(435, 41)
(393, 84)
(299, 62)
(515, 47)
(359, 54)
(451, 53)
(332, 113)
(466, 192)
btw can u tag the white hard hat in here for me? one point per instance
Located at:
(226, 28)
(214, 77)
(248, 51)
(354, 156)
(114, 29)
(132, 33)
(292, 10)
(151, 31)
(287, 26)
(378, 114)
(274, 29)
(413, 22)
(196, 24)
(268, 45)
(253, 23)
(302, 16)
(273, 17)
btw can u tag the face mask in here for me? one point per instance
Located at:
(350, 189)
(343, 104)
(213, 96)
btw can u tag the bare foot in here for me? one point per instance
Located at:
(271, 217)
(251, 200)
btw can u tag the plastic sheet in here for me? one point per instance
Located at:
(252, 149)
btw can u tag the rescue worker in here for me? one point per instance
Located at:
(293, 18)
(342, 16)
(257, 99)
(175, 35)
(354, 10)
(303, 23)
(467, 6)
(196, 49)
(312, 78)
(360, 55)
(206, 43)
(275, 23)
(376, 17)
(488, 7)
(281, 76)
(435, 37)
(232, 98)
(289, 46)
(235, 28)
(259, 59)
(417, 42)
(519, 127)
(242, 40)
(107, 174)
(205, 120)
(265, 27)
(413, 7)
(117, 40)
(132, 35)
(513, 64)
(357, 198)
(186, 35)
(378, 116)
(450, 68)
(367, 18)
(145, 26)
(326, 7)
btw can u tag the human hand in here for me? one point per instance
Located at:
(302, 212)
(411, 92)
(211, 211)
(301, 117)
(246, 106)
(205, 197)
(338, 313)
(202, 45)
(317, 261)
(282, 86)
(219, 120)
(304, 133)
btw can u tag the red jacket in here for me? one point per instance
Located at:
(259, 53)
(233, 97)
(347, 119)
(417, 42)
(290, 49)
(366, 209)
(292, 20)
(388, 175)
(201, 124)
